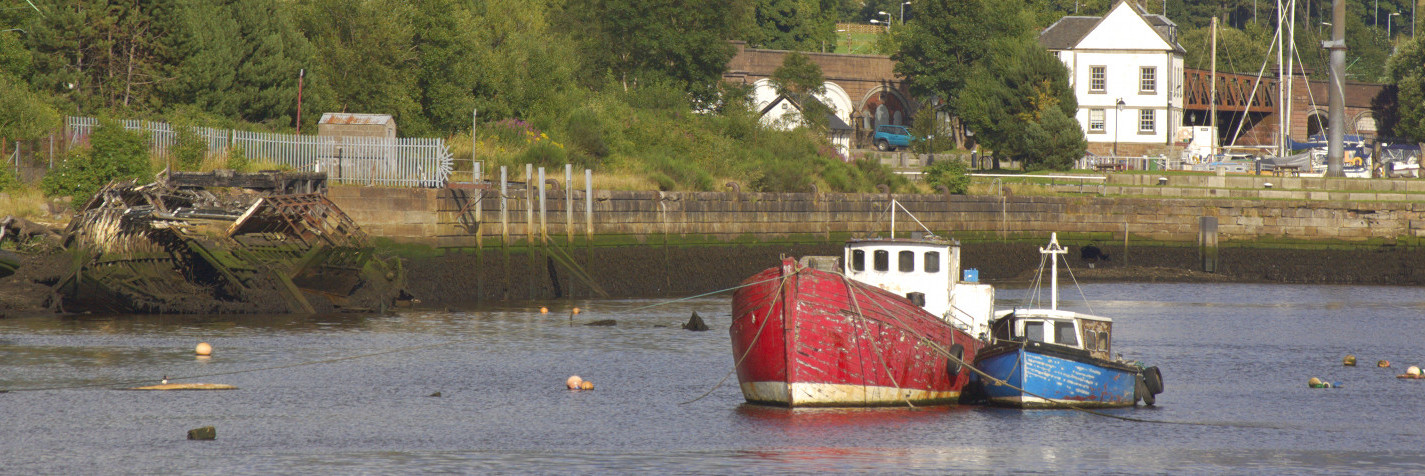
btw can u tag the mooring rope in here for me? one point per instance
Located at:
(755, 337)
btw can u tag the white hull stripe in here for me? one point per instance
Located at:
(830, 394)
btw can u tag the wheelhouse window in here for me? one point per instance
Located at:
(1096, 120)
(1034, 330)
(858, 260)
(1103, 341)
(1147, 122)
(907, 261)
(1064, 334)
(1098, 79)
(882, 260)
(1148, 79)
(932, 262)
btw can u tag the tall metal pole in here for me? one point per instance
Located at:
(1335, 96)
(1212, 96)
(300, 74)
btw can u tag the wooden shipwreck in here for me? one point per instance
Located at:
(222, 242)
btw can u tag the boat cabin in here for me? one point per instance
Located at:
(926, 271)
(1066, 328)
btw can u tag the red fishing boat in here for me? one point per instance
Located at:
(807, 334)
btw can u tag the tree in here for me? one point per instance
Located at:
(949, 39)
(634, 42)
(798, 25)
(1407, 77)
(800, 79)
(1020, 105)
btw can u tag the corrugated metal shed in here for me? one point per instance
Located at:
(344, 124)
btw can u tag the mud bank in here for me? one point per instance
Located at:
(465, 278)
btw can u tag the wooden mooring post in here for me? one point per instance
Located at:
(1207, 243)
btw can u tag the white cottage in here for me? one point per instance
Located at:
(1126, 69)
(785, 113)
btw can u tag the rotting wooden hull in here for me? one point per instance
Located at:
(803, 337)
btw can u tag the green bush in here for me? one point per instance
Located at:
(237, 159)
(8, 179)
(190, 150)
(113, 154)
(544, 153)
(951, 173)
(877, 174)
(586, 134)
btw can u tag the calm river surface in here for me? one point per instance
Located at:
(1235, 359)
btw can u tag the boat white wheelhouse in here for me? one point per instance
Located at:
(926, 270)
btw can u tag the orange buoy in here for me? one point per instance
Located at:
(576, 310)
(203, 349)
(543, 310)
(573, 382)
(1383, 364)
(586, 385)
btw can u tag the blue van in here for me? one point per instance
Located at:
(892, 137)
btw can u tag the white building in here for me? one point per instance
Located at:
(784, 113)
(1126, 69)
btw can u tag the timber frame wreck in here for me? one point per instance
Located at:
(222, 242)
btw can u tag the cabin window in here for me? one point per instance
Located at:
(1034, 330)
(1090, 340)
(1064, 334)
(858, 260)
(932, 261)
(907, 261)
(882, 260)
(1103, 341)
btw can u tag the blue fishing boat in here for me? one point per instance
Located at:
(1045, 358)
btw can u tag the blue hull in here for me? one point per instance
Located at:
(1053, 380)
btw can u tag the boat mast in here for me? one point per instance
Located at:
(1212, 97)
(1281, 88)
(1053, 250)
(1290, 50)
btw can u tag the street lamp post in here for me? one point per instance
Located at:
(1387, 24)
(903, 12)
(1118, 111)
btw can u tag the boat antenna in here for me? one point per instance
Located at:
(1053, 249)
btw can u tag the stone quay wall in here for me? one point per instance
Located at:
(471, 218)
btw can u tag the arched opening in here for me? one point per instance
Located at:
(1316, 124)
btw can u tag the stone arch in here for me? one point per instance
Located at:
(837, 99)
(763, 93)
(1316, 123)
(883, 105)
(1364, 124)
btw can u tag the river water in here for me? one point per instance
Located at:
(351, 394)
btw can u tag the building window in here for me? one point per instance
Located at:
(1095, 120)
(1146, 121)
(1098, 78)
(1148, 79)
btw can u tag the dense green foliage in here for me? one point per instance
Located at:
(623, 86)
(1407, 77)
(801, 80)
(951, 174)
(114, 154)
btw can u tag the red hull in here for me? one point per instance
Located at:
(804, 337)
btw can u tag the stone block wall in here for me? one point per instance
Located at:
(472, 217)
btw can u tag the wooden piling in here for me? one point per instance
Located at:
(1207, 243)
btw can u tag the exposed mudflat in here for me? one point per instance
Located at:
(467, 278)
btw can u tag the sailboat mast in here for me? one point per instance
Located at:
(1290, 51)
(1281, 87)
(1212, 96)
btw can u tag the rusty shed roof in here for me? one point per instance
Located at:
(352, 118)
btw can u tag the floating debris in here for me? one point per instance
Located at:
(1318, 383)
(1350, 361)
(222, 242)
(187, 386)
(204, 433)
(1383, 364)
(436, 394)
(604, 322)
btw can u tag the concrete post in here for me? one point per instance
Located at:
(568, 203)
(543, 209)
(528, 204)
(1207, 243)
(504, 207)
(588, 205)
